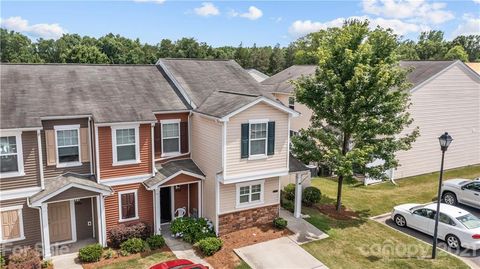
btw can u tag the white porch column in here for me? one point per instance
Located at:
(298, 196)
(199, 187)
(45, 232)
(102, 227)
(156, 206)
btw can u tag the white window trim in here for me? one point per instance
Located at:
(250, 203)
(18, 141)
(175, 153)
(120, 219)
(114, 144)
(65, 128)
(257, 156)
(19, 209)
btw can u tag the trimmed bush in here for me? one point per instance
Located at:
(109, 253)
(122, 233)
(123, 253)
(192, 230)
(133, 245)
(288, 205)
(280, 223)
(2, 261)
(209, 245)
(90, 253)
(46, 264)
(155, 241)
(289, 192)
(25, 258)
(311, 195)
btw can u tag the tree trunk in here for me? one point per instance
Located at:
(345, 149)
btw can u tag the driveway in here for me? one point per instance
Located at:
(281, 253)
(470, 257)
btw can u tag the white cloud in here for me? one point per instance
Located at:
(413, 10)
(470, 25)
(300, 28)
(476, 1)
(150, 1)
(44, 30)
(253, 13)
(207, 9)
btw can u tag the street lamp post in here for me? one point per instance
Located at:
(445, 140)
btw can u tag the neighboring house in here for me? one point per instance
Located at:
(445, 97)
(86, 148)
(475, 67)
(257, 75)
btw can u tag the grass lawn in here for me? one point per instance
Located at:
(364, 243)
(142, 262)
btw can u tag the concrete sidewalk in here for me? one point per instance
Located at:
(304, 232)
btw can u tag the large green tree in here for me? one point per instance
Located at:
(471, 44)
(359, 97)
(457, 53)
(431, 45)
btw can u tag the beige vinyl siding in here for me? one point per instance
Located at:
(235, 165)
(450, 102)
(228, 195)
(206, 148)
(30, 164)
(300, 122)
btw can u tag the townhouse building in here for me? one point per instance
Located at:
(86, 148)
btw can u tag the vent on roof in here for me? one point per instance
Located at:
(238, 93)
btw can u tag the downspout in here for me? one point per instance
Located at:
(97, 155)
(40, 159)
(90, 143)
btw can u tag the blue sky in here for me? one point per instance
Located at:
(231, 22)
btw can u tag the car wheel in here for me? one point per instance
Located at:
(453, 241)
(449, 198)
(400, 221)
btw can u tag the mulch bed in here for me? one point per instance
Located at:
(331, 211)
(226, 257)
(118, 258)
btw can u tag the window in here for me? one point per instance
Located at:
(250, 193)
(11, 219)
(258, 138)
(446, 219)
(128, 203)
(424, 212)
(475, 186)
(291, 102)
(11, 156)
(170, 136)
(68, 145)
(125, 145)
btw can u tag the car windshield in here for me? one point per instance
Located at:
(469, 221)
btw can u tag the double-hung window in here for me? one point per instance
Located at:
(258, 138)
(128, 203)
(11, 155)
(250, 193)
(125, 145)
(68, 145)
(170, 137)
(291, 102)
(11, 219)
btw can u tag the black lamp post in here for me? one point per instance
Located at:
(445, 140)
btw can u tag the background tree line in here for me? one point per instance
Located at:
(116, 49)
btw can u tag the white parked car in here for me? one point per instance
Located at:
(457, 227)
(461, 191)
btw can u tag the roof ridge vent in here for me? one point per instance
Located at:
(238, 93)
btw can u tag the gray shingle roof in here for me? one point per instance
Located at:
(423, 70)
(295, 165)
(170, 168)
(257, 75)
(110, 93)
(54, 184)
(280, 82)
(216, 87)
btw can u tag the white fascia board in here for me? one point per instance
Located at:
(253, 176)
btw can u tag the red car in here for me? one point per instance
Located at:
(178, 264)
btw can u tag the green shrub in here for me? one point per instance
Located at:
(109, 253)
(155, 241)
(209, 245)
(133, 245)
(2, 261)
(25, 258)
(280, 223)
(192, 230)
(123, 253)
(47, 264)
(289, 192)
(311, 195)
(288, 205)
(122, 233)
(90, 253)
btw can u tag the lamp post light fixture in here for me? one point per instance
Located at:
(445, 140)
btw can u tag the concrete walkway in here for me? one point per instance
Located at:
(66, 261)
(281, 253)
(304, 232)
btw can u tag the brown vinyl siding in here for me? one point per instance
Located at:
(107, 170)
(31, 226)
(184, 147)
(72, 193)
(30, 163)
(50, 171)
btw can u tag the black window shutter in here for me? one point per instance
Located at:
(245, 135)
(184, 136)
(271, 138)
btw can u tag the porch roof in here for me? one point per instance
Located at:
(296, 165)
(57, 185)
(171, 169)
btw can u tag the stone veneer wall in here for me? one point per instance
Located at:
(235, 221)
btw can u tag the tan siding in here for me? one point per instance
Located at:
(51, 170)
(107, 170)
(300, 122)
(450, 102)
(236, 165)
(207, 154)
(30, 164)
(228, 196)
(72, 193)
